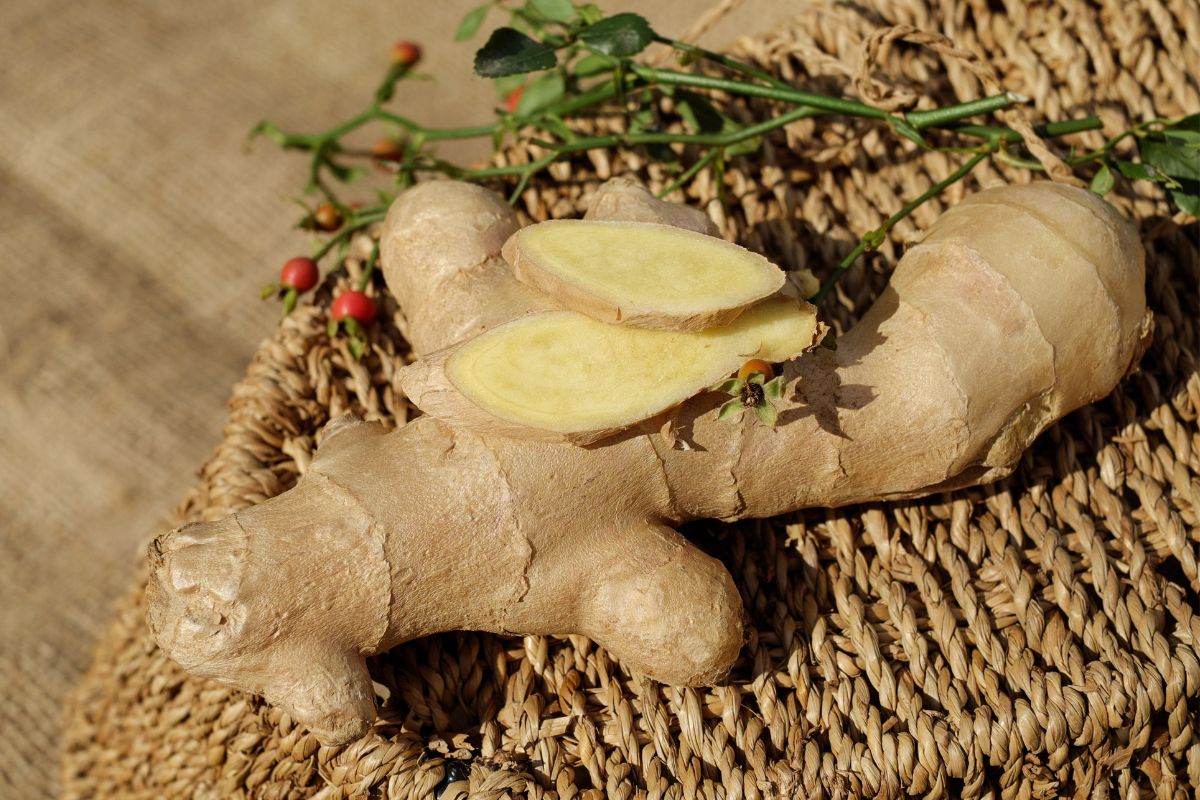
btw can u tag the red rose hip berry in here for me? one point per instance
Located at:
(406, 54)
(299, 273)
(354, 305)
(327, 217)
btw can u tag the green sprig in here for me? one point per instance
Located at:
(583, 68)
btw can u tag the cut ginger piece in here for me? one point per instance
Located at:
(562, 376)
(641, 274)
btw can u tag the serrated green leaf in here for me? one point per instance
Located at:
(766, 414)
(1186, 130)
(471, 22)
(619, 36)
(1103, 182)
(555, 10)
(731, 386)
(1135, 171)
(593, 64)
(510, 52)
(541, 93)
(731, 409)
(774, 387)
(1177, 161)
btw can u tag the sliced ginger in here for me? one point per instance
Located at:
(641, 274)
(559, 374)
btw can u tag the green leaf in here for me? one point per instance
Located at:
(593, 64)
(555, 125)
(289, 301)
(332, 328)
(1177, 160)
(731, 386)
(756, 378)
(555, 10)
(1137, 172)
(357, 347)
(1102, 184)
(774, 387)
(767, 414)
(471, 22)
(1186, 130)
(641, 120)
(507, 84)
(510, 52)
(905, 129)
(541, 93)
(344, 173)
(745, 147)
(699, 114)
(590, 13)
(271, 131)
(662, 153)
(733, 408)
(619, 36)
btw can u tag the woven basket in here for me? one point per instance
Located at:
(1034, 638)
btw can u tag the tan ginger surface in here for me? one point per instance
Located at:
(1022, 304)
(561, 376)
(642, 274)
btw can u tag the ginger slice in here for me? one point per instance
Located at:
(559, 375)
(641, 274)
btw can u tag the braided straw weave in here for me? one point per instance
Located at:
(1034, 638)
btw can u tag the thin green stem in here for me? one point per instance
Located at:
(833, 105)
(703, 139)
(872, 240)
(1050, 130)
(349, 229)
(723, 60)
(690, 172)
(369, 272)
(943, 116)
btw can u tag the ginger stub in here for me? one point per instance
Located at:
(641, 274)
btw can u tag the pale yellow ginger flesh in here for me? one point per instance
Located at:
(564, 372)
(641, 274)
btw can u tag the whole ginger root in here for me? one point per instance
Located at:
(1020, 305)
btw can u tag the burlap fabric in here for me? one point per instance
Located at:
(1035, 638)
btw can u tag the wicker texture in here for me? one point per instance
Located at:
(1034, 638)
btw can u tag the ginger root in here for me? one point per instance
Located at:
(641, 274)
(561, 376)
(1020, 305)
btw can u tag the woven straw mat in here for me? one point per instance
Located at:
(1033, 638)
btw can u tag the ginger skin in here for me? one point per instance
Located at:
(1021, 305)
